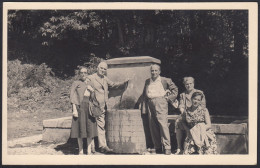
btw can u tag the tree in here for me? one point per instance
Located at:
(210, 45)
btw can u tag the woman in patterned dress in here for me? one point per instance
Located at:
(200, 137)
(83, 125)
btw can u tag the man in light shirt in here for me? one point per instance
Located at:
(155, 103)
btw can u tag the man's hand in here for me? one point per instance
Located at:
(75, 113)
(181, 110)
(90, 88)
(168, 92)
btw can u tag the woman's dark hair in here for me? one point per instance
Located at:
(197, 94)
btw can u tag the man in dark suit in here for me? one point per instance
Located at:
(101, 84)
(155, 103)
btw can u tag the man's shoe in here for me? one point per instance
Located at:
(93, 150)
(158, 151)
(106, 150)
(152, 151)
(167, 152)
(101, 150)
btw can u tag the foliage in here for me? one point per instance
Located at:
(33, 91)
(16, 74)
(211, 46)
(29, 76)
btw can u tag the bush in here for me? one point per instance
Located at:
(40, 75)
(16, 74)
(22, 77)
(35, 88)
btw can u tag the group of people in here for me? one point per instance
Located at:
(193, 121)
(84, 126)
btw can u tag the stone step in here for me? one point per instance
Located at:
(64, 122)
(232, 138)
(236, 127)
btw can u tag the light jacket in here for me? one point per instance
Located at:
(101, 88)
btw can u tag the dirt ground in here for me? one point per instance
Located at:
(23, 123)
(33, 145)
(25, 116)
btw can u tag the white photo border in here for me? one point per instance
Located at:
(247, 159)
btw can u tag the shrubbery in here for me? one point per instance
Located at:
(36, 94)
(35, 88)
(28, 79)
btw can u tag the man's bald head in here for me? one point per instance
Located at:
(102, 64)
(156, 66)
(155, 71)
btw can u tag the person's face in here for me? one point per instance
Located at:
(196, 100)
(155, 72)
(189, 85)
(102, 69)
(83, 73)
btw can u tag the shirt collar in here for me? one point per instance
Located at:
(156, 80)
(193, 90)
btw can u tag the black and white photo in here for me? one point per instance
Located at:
(147, 83)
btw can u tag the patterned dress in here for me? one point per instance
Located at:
(193, 118)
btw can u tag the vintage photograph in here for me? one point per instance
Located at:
(152, 82)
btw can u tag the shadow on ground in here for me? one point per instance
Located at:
(68, 148)
(71, 148)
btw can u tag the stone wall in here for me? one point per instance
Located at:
(232, 137)
(135, 68)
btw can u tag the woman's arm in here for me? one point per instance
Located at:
(74, 110)
(207, 119)
(74, 97)
(181, 104)
(89, 88)
(90, 85)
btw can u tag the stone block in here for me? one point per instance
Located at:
(232, 138)
(232, 144)
(55, 135)
(136, 68)
(131, 60)
(64, 122)
(229, 128)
